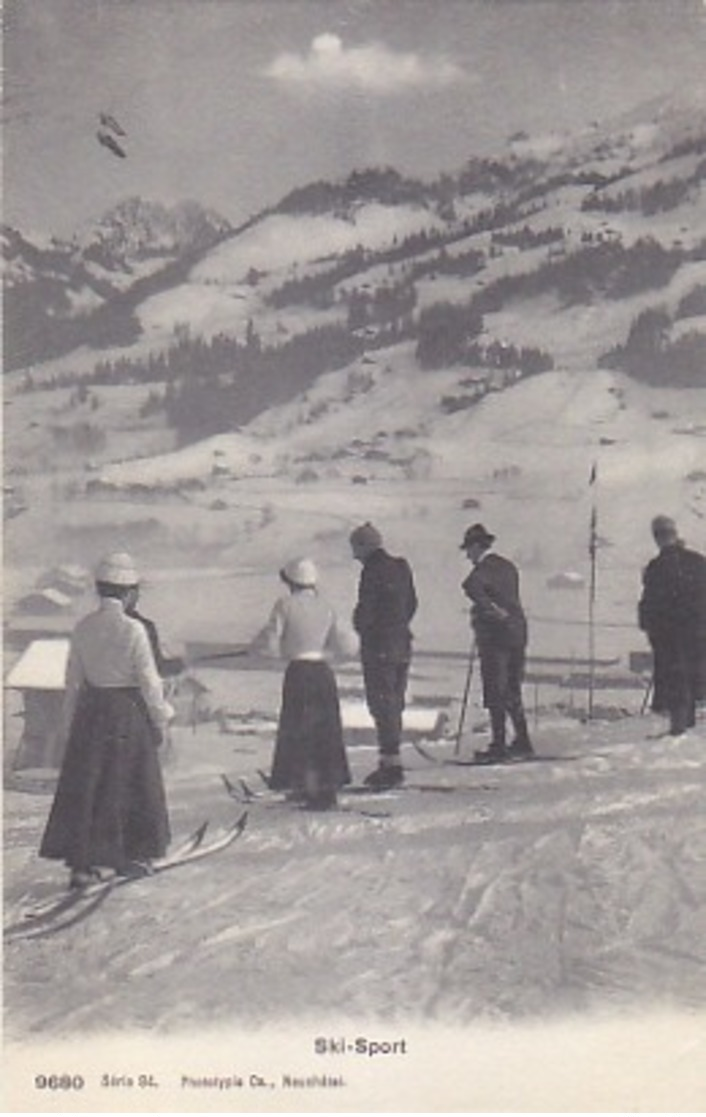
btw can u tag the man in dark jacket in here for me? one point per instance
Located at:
(501, 636)
(167, 666)
(387, 601)
(672, 611)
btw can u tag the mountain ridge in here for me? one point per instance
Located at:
(378, 258)
(54, 291)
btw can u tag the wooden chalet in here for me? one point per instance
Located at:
(39, 676)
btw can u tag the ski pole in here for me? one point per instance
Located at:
(235, 654)
(592, 548)
(464, 701)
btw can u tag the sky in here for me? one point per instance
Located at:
(235, 102)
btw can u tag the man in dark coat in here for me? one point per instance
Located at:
(387, 601)
(500, 628)
(672, 611)
(167, 666)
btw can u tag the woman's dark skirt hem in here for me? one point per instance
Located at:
(310, 754)
(110, 807)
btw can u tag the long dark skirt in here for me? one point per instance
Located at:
(110, 807)
(310, 756)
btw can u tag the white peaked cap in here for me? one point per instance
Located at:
(118, 568)
(301, 572)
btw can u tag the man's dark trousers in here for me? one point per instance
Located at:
(673, 664)
(385, 686)
(502, 670)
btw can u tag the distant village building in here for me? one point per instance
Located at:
(68, 579)
(39, 675)
(47, 601)
(566, 580)
(21, 629)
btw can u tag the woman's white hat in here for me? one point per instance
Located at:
(118, 568)
(300, 572)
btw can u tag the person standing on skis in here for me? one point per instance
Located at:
(110, 809)
(387, 601)
(672, 613)
(310, 759)
(500, 627)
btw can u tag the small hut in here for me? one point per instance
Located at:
(39, 675)
(43, 602)
(69, 579)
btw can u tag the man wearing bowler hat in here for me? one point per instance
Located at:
(499, 623)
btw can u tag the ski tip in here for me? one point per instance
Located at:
(13, 930)
(424, 753)
(231, 788)
(248, 792)
(77, 910)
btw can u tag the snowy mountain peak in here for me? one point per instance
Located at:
(137, 229)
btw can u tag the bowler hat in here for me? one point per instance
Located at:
(476, 533)
(117, 569)
(300, 572)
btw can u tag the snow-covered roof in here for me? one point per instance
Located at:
(41, 599)
(68, 579)
(42, 666)
(73, 570)
(56, 596)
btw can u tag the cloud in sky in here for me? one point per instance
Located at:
(373, 68)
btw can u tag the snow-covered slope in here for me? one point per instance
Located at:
(48, 285)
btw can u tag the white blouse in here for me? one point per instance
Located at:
(303, 625)
(110, 649)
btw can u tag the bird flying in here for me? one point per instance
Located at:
(109, 121)
(111, 143)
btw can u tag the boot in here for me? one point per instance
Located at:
(134, 870)
(521, 747)
(496, 752)
(388, 774)
(82, 878)
(679, 718)
(322, 801)
(491, 755)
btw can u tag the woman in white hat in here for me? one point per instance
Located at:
(310, 759)
(110, 809)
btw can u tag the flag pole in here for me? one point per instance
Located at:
(592, 547)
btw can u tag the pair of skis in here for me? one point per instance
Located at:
(501, 762)
(57, 913)
(243, 793)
